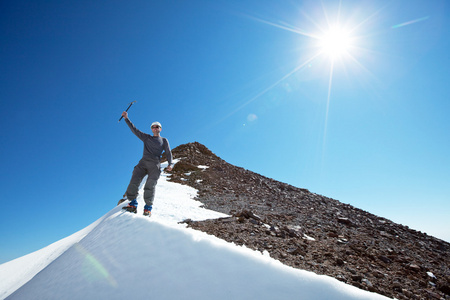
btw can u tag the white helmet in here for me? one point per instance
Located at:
(156, 124)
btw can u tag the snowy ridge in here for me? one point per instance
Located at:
(13, 274)
(127, 256)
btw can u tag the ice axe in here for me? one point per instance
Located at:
(127, 109)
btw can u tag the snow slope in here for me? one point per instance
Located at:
(127, 256)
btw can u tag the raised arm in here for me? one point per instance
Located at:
(133, 128)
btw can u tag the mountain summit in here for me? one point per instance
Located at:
(249, 237)
(312, 232)
(130, 256)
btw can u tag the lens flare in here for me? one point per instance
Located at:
(92, 268)
(410, 22)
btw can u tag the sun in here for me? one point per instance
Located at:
(332, 41)
(336, 42)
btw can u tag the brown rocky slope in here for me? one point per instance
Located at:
(312, 232)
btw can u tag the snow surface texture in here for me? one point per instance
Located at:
(128, 256)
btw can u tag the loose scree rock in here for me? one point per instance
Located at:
(312, 232)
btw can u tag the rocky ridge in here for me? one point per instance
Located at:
(312, 232)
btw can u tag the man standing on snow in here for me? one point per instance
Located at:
(150, 165)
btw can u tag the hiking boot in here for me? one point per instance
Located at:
(131, 207)
(147, 210)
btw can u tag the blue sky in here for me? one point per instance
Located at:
(249, 79)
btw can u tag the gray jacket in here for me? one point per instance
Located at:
(153, 145)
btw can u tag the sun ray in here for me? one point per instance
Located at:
(286, 27)
(330, 81)
(297, 68)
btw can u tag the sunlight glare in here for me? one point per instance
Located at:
(335, 42)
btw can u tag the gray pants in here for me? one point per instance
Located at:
(145, 167)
